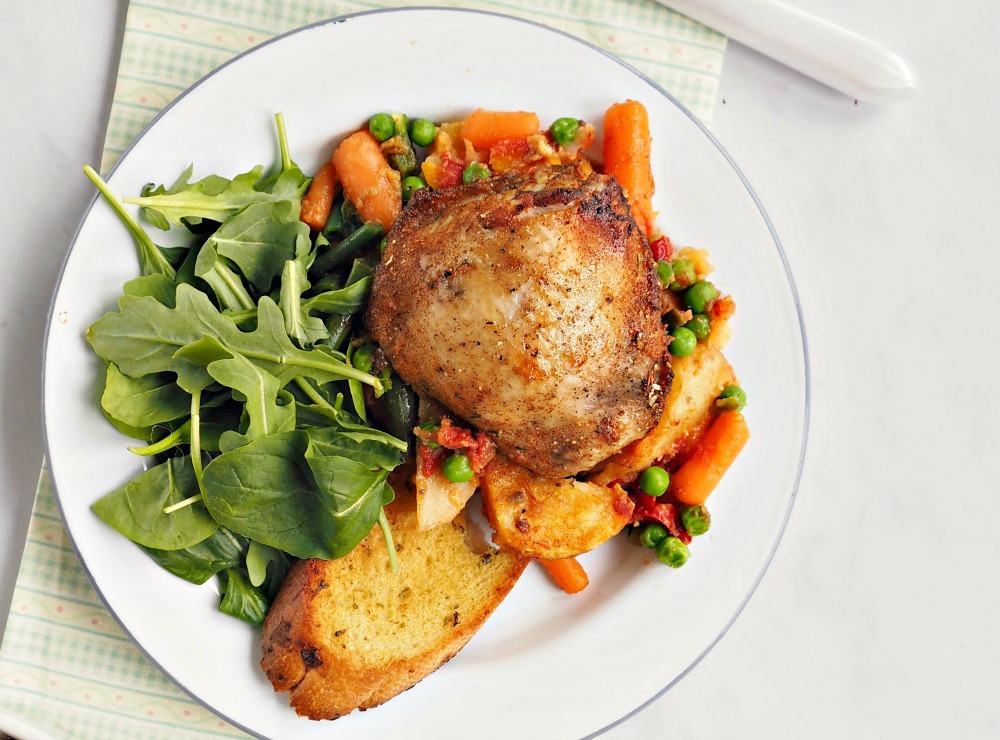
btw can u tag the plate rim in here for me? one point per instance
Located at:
(336, 20)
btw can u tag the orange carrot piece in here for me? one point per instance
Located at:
(568, 574)
(316, 204)
(368, 180)
(486, 128)
(717, 450)
(627, 156)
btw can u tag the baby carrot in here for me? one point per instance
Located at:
(627, 156)
(486, 128)
(699, 475)
(568, 574)
(317, 202)
(368, 180)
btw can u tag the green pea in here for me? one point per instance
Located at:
(362, 358)
(732, 398)
(700, 325)
(672, 552)
(665, 272)
(564, 130)
(654, 481)
(684, 273)
(696, 520)
(382, 126)
(431, 427)
(475, 171)
(422, 132)
(684, 342)
(457, 468)
(411, 185)
(652, 535)
(700, 296)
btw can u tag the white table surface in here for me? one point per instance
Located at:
(880, 614)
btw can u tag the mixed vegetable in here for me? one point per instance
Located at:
(268, 421)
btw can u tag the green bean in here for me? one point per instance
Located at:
(353, 243)
(400, 403)
(339, 327)
(398, 150)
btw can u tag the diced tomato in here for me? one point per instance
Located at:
(429, 459)
(484, 451)
(509, 154)
(722, 309)
(662, 248)
(454, 437)
(480, 448)
(648, 509)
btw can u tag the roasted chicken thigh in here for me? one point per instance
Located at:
(528, 305)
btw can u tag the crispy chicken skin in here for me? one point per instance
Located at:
(528, 304)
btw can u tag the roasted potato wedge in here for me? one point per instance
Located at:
(550, 517)
(698, 380)
(439, 500)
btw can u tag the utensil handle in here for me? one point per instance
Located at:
(822, 50)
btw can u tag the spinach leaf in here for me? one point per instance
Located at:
(136, 508)
(353, 495)
(303, 328)
(143, 402)
(264, 491)
(261, 391)
(372, 450)
(260, 239)
(197, 563)
(266, 567)
(144, 336)
(240, 599)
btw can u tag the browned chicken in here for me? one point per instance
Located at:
(528, 304)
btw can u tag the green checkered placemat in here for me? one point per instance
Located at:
(65, 664)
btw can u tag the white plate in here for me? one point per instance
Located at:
(562, 666)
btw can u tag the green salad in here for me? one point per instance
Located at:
(238, 363)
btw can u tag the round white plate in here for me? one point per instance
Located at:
(563, 666)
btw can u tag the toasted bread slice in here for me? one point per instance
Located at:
(350, 634)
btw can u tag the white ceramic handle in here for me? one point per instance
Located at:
(824, 51)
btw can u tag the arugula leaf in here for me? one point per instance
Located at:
(213, 197)
(261, 390)
(143, 402)
(157, 286)
(260, 239)
(136, 508)
(211, 186)
(303, 328)
(214, 423)
(151, 259)
(197, 563)
(144, 336)
(347, 300)
(222, 279)
(242, 600)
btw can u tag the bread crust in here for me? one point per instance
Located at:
(349, 634)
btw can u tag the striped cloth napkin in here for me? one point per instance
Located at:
(66, 666)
